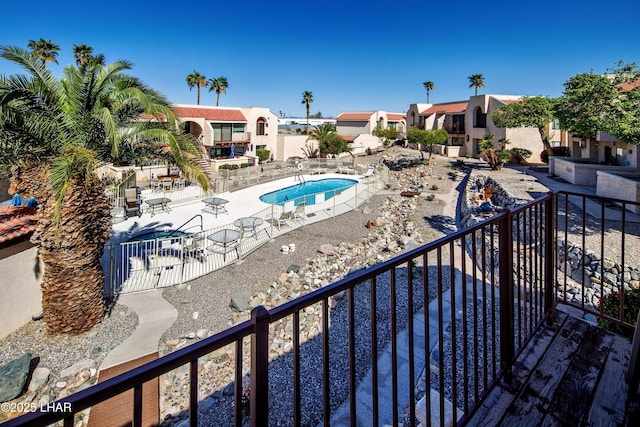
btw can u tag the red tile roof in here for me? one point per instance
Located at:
(354, 117)
(16, 221)
(349, 138)
(630, 85)
(446, 107)
(395, 117)
(212, 114)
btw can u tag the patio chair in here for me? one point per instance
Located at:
(368, 173)
(155, 185)
(132, 202)
(178, 184)
(300, 213)
(285, 216)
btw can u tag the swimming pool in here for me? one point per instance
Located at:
(307, 191)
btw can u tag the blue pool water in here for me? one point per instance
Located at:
(305, 193)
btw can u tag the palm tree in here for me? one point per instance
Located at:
(55, 133)
(44, 50)
(82, 54)
(428, 85)
(220, 85)
(476, 81)
(198, 80)
(307, 99)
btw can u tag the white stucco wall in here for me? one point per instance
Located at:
(362, 142)
(270, 138)
(290, 146)
(20, 293)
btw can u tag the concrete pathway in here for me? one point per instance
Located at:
(592, 208)
(155, 316)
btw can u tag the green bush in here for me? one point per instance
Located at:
(557, 151)
(229, 167)
(244, 165)
(518, 155)
(263, 154)
(611, 306)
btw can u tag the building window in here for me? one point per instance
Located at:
(555, 124)
(479, 118)
(393, 125)
(260, 125)
(413, 118)
(222, 131)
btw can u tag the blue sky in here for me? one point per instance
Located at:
(358, 55)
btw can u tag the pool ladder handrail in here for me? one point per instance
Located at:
(187, 222)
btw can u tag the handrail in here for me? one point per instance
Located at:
(525, 292)
(187, 222)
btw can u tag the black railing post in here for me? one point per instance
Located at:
(259, 397)
(505, 237)
(549, 258)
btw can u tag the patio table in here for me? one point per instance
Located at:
(226, 238)
(159, 204)
(215, 205)
(250, 223)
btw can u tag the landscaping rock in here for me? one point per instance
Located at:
(13, 376)
(39, 378)
(240, 302)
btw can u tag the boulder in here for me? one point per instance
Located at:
(39, 378)
(240, 302)
(13, 377)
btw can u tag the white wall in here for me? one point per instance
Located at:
(20, 293)
(362, 142)
(270, 138)
(290, 146)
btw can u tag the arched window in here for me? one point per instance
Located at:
(479, 118)
(261, 124)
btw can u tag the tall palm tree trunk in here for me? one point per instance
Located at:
(73, 280)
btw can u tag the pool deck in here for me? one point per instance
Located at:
(242, 203)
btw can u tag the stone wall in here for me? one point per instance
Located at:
(601, 277)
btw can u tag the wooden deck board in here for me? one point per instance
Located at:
(500, 398)
(608, 409)
(574, 376)
(572, 397)
(531, 405)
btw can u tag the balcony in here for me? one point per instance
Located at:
(479, 327)
(454, 128)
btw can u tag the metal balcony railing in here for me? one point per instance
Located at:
(451, 315)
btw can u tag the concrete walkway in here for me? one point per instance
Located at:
(592, 208)
(155, 316)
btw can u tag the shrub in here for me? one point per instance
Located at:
(229, 167)
(244, 165)
(611, 306)
(430, 197)
(263, 154)
(518, 155)
(557, 151)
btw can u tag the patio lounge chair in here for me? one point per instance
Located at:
(132, 202)
(368, 173)
(346, 170)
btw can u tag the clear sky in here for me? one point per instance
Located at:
(352, 55)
